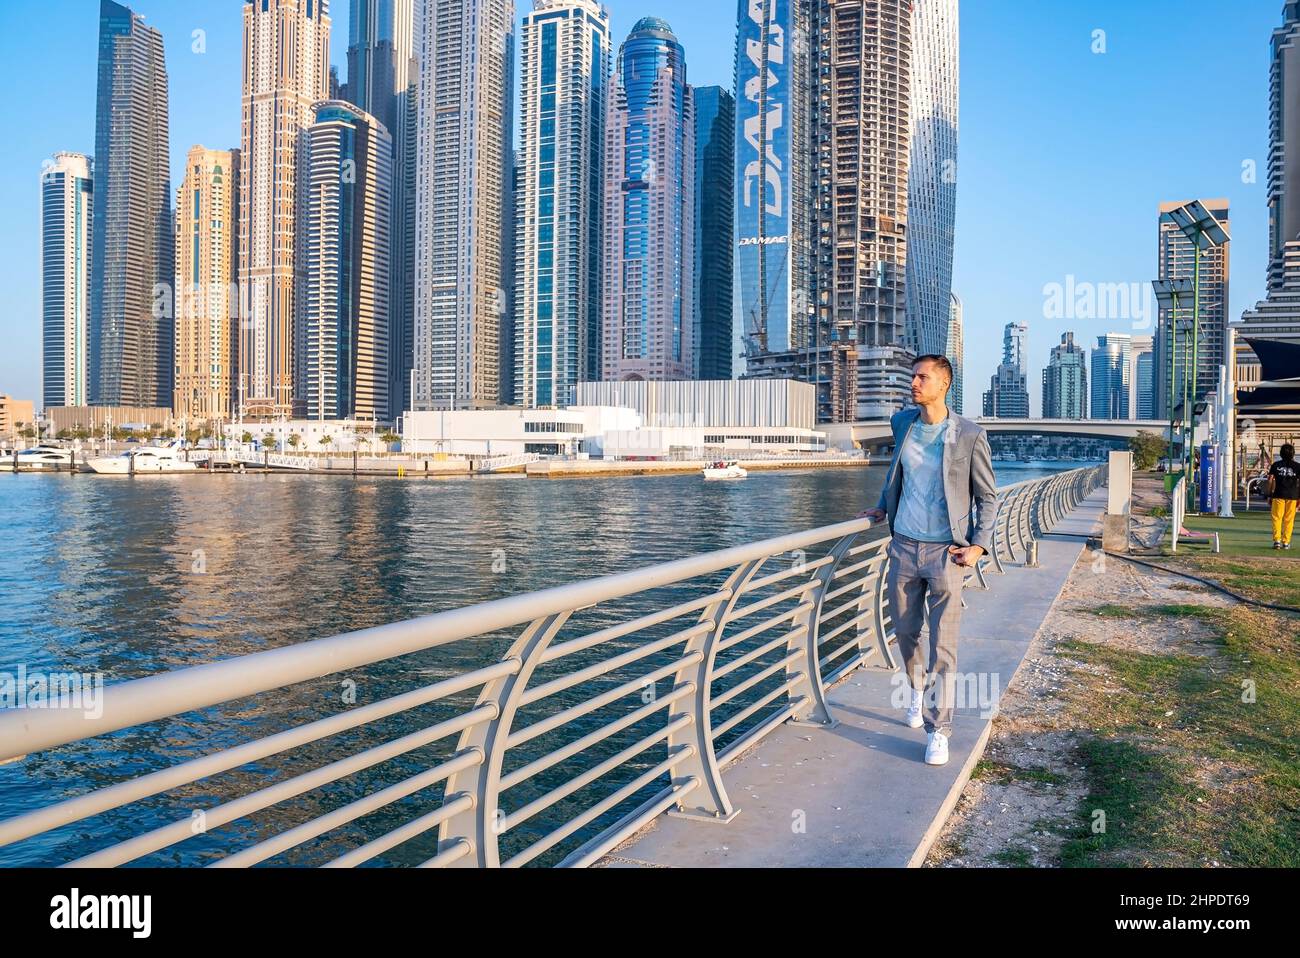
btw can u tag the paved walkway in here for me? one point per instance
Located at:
(859, 795)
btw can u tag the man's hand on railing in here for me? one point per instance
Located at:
(875, 515)
(967, 556)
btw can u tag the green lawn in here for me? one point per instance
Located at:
(1192, 759)
(1248, 534)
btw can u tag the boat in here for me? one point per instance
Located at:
(147, 460)
(724, 470)
(39, 459)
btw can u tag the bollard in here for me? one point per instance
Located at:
(1031, 554)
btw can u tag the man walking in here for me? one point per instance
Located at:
(940, 498)
(1284, 490)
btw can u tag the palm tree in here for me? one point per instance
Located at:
(268, 440)
(294, 440)
(246, 438)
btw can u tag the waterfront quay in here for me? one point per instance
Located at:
(578, 710)
(715, 695)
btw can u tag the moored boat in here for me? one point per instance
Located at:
(147, 460)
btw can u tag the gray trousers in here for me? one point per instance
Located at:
(923, 574)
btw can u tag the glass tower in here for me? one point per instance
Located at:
(649, 211)
(565, 56)
(1177, 260)
(1110, 377)
(932, 173)
(715, 164)
(1065, 381)
(129, 357)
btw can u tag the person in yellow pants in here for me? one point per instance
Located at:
(1284, 491)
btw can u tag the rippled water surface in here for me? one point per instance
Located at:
(130, 577)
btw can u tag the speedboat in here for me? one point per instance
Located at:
(39, 459)
(724, 470)
(147, 460)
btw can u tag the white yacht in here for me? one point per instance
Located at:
(147, 460)
(724, 470)
(39, 459)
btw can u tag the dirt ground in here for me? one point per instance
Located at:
(1026, 792)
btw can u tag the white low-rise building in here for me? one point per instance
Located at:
(578, 430)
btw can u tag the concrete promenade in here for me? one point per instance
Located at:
(860, 791)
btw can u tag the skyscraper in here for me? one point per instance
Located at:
(715, 216)
(382, 74)
(66, 218)
(774, 180)
(956, 353)
(1008, 395)
(1176, 260)
(649, 211)
(862, 119)
(207, 294)
(347, 173)
(1065, 381)
(932, 173)
(130, 336)
(565, 58)
(1146, 385)
(1015, 345)
(286, 71)
(1110, 377)
(1142, 393)
(1277, 316)
(464, 49)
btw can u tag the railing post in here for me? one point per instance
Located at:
(694, 742)
(998, 536)
(478, 825)
(811, 686)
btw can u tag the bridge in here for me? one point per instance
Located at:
(873, 433)
(580, 716)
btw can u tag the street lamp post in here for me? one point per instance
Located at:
(1204, 231)
(1169, 294)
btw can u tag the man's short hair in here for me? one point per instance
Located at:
(1288, 451)
(940, 361)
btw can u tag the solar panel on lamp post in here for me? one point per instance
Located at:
(1170, 293)
(1204, 231)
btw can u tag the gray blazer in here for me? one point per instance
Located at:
(968, 482)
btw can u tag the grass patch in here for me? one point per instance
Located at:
(990, 771)
(1014, 858)
(1144, 799)
(1274, 580)
(1113, 611)
(1178, 718)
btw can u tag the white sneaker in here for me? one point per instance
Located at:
(936, 750)
(914, 719)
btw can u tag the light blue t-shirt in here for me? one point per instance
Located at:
(923, 507)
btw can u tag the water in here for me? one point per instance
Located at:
(130, 577)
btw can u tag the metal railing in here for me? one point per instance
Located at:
(615, 699)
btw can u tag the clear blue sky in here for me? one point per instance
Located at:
(1065, 153)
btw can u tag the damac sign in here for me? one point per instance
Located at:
(759, 91)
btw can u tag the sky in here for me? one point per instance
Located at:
(1078, 117)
